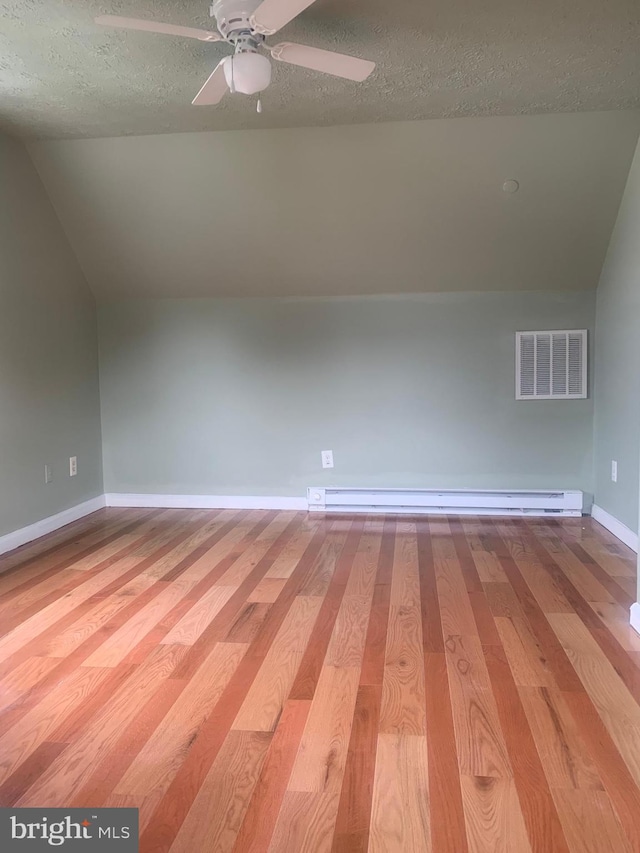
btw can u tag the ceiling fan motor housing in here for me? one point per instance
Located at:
(233, 18)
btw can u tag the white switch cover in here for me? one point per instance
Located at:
(327, 458)
(73, 466)
(614, 471)
(48, 473)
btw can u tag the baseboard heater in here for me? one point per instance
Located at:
(565, 504)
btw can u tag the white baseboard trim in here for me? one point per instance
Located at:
(48, 525)
(54, 522)
(635, 617)
(208, 501)
(620, 530)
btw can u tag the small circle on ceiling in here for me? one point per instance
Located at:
(511, 186)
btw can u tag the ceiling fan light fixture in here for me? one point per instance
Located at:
(248, 73)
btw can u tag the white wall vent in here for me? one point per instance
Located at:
(551, 365)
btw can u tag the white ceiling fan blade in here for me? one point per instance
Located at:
(214, 89)
(272, 15)
(326, 61)
(156, 27)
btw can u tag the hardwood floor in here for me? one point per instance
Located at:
(272, 681)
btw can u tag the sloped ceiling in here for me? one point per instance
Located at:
(382, 208)
(63, 76)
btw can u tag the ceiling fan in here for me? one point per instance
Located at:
(244, 24)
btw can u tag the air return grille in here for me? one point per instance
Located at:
(551, 365)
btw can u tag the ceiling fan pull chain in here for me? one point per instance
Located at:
(259, 106)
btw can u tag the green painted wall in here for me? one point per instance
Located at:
(49, 393)
(240, 396)
(617, 382)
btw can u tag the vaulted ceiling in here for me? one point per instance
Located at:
(63, 76)
(385, 208)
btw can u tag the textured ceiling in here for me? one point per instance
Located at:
(62, 76)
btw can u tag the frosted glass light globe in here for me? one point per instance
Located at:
(247, 73)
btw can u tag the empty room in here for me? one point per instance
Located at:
(319, 426)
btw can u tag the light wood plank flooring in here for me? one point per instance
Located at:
(273, 681)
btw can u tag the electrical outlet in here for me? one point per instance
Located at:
(73, 466)
(327, 458)
(614, 471)
(48, 473)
